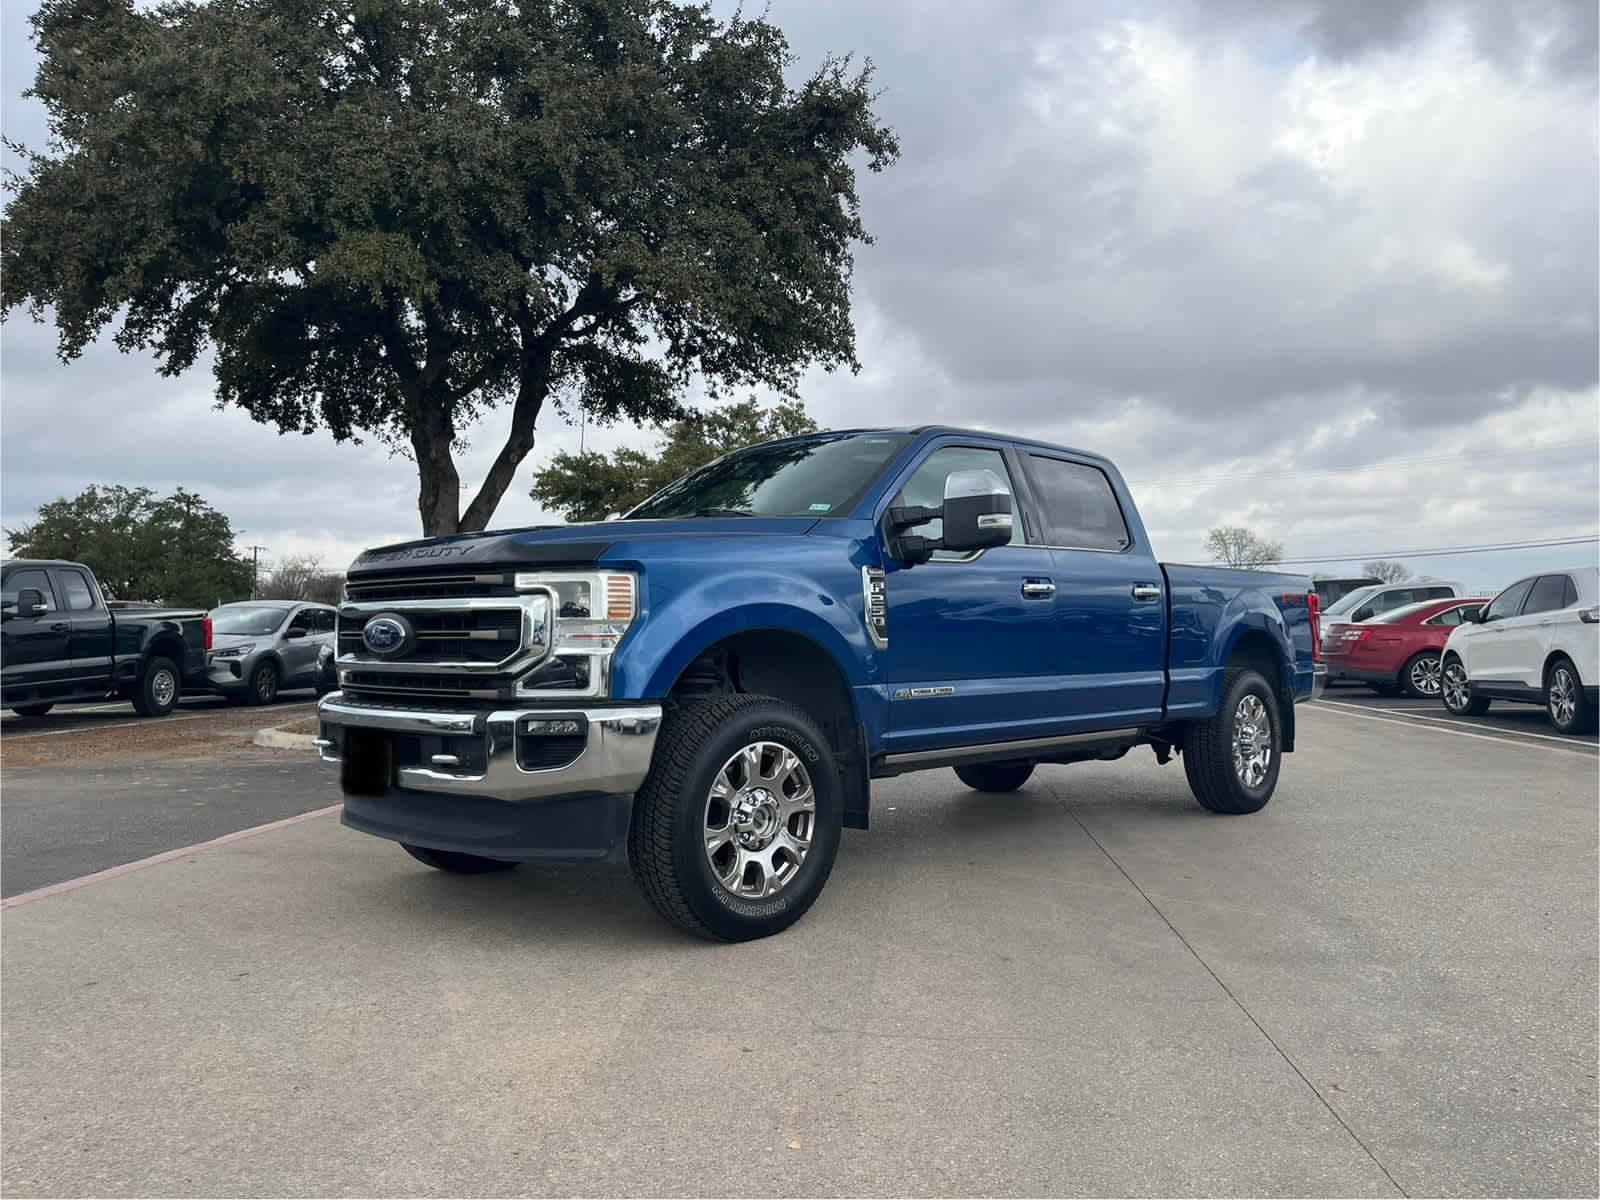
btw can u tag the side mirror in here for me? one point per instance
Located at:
(977, 511)
(293, 634)
(1362, 614)
(30, 603)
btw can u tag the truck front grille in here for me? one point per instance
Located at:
(378, 587)
(380, 684)
(479, 635)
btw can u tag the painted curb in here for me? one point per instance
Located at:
(277, 739)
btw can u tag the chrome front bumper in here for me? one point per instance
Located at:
(614, 758)
(1319, 680)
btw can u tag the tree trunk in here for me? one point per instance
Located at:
(439, 491)
(531, 393)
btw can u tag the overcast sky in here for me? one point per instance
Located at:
(1325, 268)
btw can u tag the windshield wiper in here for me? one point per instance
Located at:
(723, 512)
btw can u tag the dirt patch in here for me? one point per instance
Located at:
(70, 737)
(306, 725)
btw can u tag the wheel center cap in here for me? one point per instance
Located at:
(1249, 739)
(755, 818)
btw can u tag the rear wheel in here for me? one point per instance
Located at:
(1564, 699)
(156, 693)
(736, 827)
(1456, 691)
(455, 862)
(1420, 676)
(263, 683)
(1231, 760)
(995, 777)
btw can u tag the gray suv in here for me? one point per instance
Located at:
(259, 647)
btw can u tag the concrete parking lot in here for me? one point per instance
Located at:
(1383, 984)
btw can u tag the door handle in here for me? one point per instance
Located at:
(1038, 589)
(60, 627)
(1146, 591)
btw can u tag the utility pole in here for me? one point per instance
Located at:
(255, 567)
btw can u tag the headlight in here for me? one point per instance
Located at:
(234, 651)
(589, 614)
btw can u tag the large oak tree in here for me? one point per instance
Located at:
(388, 217)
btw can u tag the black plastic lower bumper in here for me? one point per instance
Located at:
(577, 829)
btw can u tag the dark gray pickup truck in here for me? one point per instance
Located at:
(59, 643)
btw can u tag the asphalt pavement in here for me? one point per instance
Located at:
(1382, 984)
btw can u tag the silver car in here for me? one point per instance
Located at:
(259, 647)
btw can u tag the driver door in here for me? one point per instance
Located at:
(973, 653)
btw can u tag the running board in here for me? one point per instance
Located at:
(1041, 749)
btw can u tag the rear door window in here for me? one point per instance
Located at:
(1549, 593)
(80, 596)
(1080, 508)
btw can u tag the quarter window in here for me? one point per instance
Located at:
(18, 581)
(1080, 510)
(80, 597)
(1509, 601)
(925, 488)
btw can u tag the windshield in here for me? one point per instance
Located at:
(1349, 603)
(1404, 611)
(818, 477)
(247, 622)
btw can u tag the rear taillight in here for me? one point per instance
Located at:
(208, 633)
(1314, 604)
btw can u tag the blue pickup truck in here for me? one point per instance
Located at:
(708, 686)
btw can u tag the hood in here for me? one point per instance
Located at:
(564, 545)
(220, 641)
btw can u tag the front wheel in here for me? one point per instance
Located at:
(1231, 760)
(1455, 690)
(454, 861)
(263, 683)
(995, 777)
(32, 710)
(1420, 676)
(1564, 699)
(736, 827)
(156, 693)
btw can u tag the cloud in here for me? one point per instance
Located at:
(1327, 267)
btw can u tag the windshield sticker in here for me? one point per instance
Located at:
(821, 507)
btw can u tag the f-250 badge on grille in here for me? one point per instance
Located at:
(387, 636)
(922, 693)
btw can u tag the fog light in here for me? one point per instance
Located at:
(561, 727)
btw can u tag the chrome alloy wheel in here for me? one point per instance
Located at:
(1425, 676)
(1563, 697)
(1252, 741)
(760, 815)
(1453, 683)
(163, 687)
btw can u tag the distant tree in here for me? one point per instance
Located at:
(177, 550)
(589, 487)
(1236, 546)
(301, 577)
(1387, 570)
(394, 216)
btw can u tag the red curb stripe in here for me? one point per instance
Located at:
(68, 885)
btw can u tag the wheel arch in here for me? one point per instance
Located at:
(795, 667)
(1253, 647)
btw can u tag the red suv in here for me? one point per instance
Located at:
(1398, 650)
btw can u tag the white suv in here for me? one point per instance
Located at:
(1537, 642)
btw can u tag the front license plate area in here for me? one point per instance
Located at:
(367, 764)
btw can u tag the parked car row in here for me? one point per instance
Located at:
(1536, 642)
(62, 641)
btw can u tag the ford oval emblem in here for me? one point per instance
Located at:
(387, 635)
